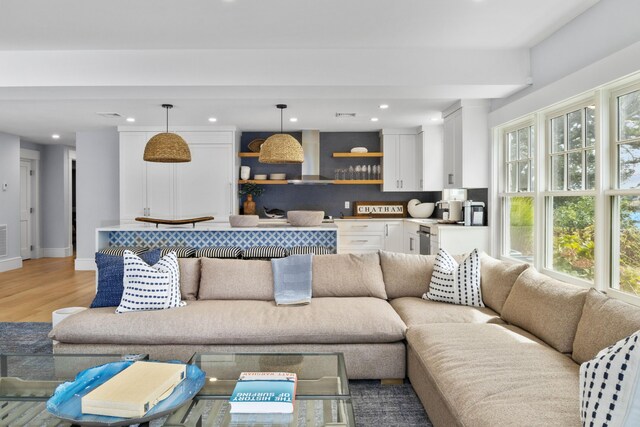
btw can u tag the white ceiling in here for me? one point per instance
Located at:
(418, 56)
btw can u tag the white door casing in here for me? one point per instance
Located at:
(26, 238)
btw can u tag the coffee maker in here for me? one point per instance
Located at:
(451, 204)
(473, 213)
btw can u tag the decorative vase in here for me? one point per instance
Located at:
(245, 172)
(249, 206)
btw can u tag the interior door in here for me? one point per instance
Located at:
(25, 209)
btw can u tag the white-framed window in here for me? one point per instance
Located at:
(518, 154)
(570, 196)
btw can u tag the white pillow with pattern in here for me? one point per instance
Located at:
(456, 283)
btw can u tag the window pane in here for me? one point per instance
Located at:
(557, 134)
(512, 146)
(575, 171)
(532, 176)
(629, 116)
(574, 121)
(520, 239)
(573, 241)
(523, 143)
(629, 244)
(629, 165)
(513, 178)
(557, 172)
(590, 162)
(590, 113)
(523, 179)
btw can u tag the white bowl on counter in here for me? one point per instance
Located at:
(305, 218)
(420, 210)
(244, 220)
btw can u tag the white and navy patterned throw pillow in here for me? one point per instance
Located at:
(610, 386)
(150, 287)
(219, 252)
(453, 283)
(119, 250)
(315, 250)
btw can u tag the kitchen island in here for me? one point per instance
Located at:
(267, 233)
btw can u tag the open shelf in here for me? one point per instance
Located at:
(263, 181)
(248, 154)
(358, 181)
(370, 154)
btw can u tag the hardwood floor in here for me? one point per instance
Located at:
(33, 292)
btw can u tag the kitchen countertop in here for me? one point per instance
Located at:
(266, 224)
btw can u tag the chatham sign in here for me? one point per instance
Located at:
(381, 209)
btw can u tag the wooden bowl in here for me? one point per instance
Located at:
(244, 220)
(305, 218)
(255, 145)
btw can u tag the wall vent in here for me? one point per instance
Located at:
(109, 115)
(3, 241)
(345, 115)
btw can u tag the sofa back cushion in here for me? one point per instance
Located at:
(406, 275)
(604, 322)
(548, 308)
(348, 275)
(189, 278)
(497, 279)
(235, 279)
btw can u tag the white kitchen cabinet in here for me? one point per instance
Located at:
(411, 238)
(402, 167)
(394, 236)
(429, 148)
(457, 239)
(360, 236)
(204, 186)
(466, 151)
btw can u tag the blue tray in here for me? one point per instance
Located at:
(65, 403)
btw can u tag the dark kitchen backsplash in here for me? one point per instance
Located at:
(330, 198)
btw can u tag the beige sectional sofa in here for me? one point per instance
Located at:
(513, 362)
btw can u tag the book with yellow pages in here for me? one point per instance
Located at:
(135, 390)
(264, 392)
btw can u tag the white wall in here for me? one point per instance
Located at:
(10, 199)
(55, 196)
(97, 189)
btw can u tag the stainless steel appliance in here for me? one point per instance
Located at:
(473, 213)
(426, 235)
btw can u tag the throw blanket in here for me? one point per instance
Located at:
(292, 279)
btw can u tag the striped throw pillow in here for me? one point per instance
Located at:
(180, 251)
(150, 287)
(264, 252)
(610, 385)
(219, 252)
(119, 250)
(453, 283)
(304, 250)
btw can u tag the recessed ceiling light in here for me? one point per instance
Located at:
(435, 119)
(374, 119)
(213, 119)
(384, 106)
(131, 119)
(55, 136)
(293, 119)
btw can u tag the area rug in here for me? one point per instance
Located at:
(373, 403)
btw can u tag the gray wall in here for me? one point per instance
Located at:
(10, 199)
(97, 186)
(603, 29)
(54, 198)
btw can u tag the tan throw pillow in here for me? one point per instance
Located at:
(406, 275)
(497, 279)
(225, 279)
(189, 277)
(348, 275)
(546, 307)
(604, 322)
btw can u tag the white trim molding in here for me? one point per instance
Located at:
(57, 252)
(85, 264)
(10, 264)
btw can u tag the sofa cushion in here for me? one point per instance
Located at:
(348, 275)
(604, 322)
(548, 308)
(181, 251)
(406, 275)
(264, 252)
(233, 252)
(497, 375)
(325, 320)
(417, 311)
(189, 278)
(227, 279)
(497, 279)
(119, 250)
(316, 250)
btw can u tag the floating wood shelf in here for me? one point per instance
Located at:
(263, 181)
(358, 181)
(249, 154)
(370, 154)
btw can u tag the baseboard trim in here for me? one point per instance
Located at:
(85, 264)
(10, 264)
(57, 252)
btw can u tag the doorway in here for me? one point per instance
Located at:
(26, 209)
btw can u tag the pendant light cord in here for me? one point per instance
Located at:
(281, 114)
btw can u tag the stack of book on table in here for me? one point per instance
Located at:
(264, 393)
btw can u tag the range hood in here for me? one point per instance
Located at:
(311, 164)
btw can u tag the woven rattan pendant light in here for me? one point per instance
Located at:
(167, 147)
(280, 147)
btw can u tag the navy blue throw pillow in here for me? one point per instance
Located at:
(111, 276)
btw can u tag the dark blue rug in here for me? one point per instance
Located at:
(373, 403)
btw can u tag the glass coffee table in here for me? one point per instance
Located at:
(322, 395)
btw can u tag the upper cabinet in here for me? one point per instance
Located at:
(205, 186)
(466, 145)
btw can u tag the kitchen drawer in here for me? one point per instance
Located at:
(360, 226)
(361, 240)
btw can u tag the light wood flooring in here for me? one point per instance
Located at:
(33, 292)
